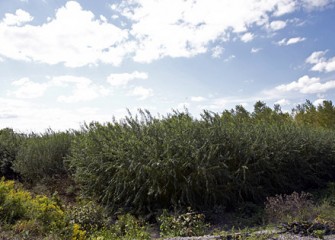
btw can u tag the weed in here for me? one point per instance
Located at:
(184, 225)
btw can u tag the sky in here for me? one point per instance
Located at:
(64, 63)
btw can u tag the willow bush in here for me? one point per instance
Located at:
(145, 163)
(9, 146)
(42, 155)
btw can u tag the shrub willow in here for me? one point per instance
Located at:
(145, 163)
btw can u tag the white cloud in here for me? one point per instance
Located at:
(255, 50)
(73, 37)
(283, 102)
(141, 93)
(295, 40)
(122, 79)
(1, 59)
(277, 25)
(305, 85)
(217, 51)
(28, 88)
(319, 101)
(198, 99)
(83, 89)
(247, 37)
(19, 18)
(290, 41)
(155, 29)
(314, 4)
(316, 57)
(196, 24)
(285, 7)
(321, 64)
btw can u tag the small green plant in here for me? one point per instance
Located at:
(319, 234)
(184, 225)
(88, 215)
(125, 228)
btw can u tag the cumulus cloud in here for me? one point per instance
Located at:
(76, 37)
(19, 18)
(83, 89)
(305, 85)
(320, 62)
(277, 25)
(141, 92)
(28, 89)
(73, 37)
(122, 79)
(290, 41)
(285, 7)
(195, 24)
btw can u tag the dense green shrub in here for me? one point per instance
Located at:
(145, 163)
(42, 155)
(9, 146)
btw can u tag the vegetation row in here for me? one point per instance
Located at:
(144, 164)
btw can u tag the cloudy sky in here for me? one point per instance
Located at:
(63, 63)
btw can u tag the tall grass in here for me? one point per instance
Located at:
(42, 155)
(145, 163)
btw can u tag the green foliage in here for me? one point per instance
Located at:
(9, 146)
(145, 163)
(13, 203)
(184, 225)
(29, 213)
(88, 215)
(125, 228)
(321, 116)
(41, 156)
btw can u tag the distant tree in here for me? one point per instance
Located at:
(321, 116)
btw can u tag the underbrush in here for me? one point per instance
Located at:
(29, 216)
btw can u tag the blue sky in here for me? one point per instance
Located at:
(63, 63)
